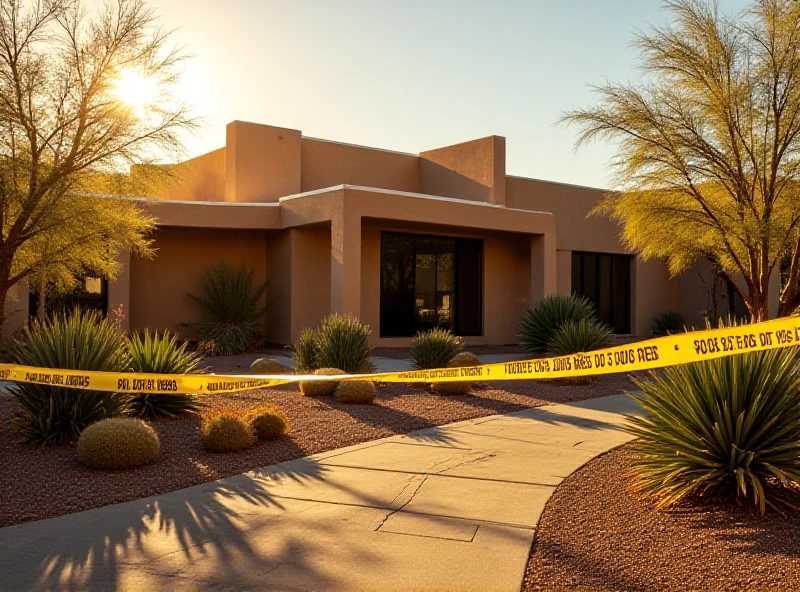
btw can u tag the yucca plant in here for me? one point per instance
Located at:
(434, 348)
(724, 428)
(161, 354)
(232, 309)
(668, 323)
(580, 336)
(343, 342)
(544, 318)
(81, 340)
(306, 352)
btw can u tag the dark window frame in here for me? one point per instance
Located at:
(625, 327)
(456, 279)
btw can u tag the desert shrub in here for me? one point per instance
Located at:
(356, 391)
(321, 388)
(544, 318)
(82, 340)
(579, 336)
(269, 422)
(460, 360)
(118, 443)
(668, 323)
(161, 354)
(306, 352)
(266, 366)
(232, 309)
(226, 432)
(434, 349)
(343, 342)
(724, 428)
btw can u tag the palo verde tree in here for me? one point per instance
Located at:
(73, 116)
(707, 144)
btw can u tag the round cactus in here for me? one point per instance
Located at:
(460, 360)
(359, 392)
(226, 432)
(321, 388)
(118, 443)
(269, 422)
(266, 366)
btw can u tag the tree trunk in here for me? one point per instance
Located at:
(41, 313)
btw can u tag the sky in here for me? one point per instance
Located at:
(413, 75)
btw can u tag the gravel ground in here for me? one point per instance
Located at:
(42, 483)
(595, 534)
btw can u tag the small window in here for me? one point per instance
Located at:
(90, 294)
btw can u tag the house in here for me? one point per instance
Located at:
(404, 241)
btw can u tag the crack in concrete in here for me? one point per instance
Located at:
(408, 501)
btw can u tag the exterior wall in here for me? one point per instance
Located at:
(159, 298)
(473, 170)
(199, 179)
(263, 162)
(652, 292)
(311, 277)
(326, 164)
(16, 310)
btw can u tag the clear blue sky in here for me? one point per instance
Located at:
(413, 75)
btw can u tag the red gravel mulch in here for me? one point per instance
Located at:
(596, 535)
(42, 483)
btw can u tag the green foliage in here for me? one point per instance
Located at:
(269, 422)
(544, 318)
(232, 309)
(79, 341)
(321, 388)
(668, 323)
(343, 342)
(266, 366)
(306, 352)
(161, 354)
(460, 360)
(226, 432)
(579, 336)
(434, 349)
(356, 392)
(728, 427)
(118, 443)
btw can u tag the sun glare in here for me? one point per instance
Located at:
(135, 89)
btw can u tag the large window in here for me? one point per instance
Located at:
(90, 294)
(430, 281)
(605, 280)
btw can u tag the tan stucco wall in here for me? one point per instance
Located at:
(159, 286)
(311, 277)
(199, 179)
(472, 170)
(325, 164)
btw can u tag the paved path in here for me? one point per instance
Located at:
(448, 508)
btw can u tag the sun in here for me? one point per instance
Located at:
(135, 89)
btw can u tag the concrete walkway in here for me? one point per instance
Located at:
(449, 508)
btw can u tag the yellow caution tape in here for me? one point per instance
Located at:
(642, 355)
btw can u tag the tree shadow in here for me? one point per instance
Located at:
(163, 536)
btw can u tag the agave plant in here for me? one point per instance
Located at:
(580, 336)
(306, 352)
(434, 349)
(231, 303)
(728, 427)
(82, 340)
(161, 354)
(668, 323)
(544, 318)
(343, 342)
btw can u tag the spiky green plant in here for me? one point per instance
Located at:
(543, 319)
(306, 351)
(161, 354)
(434, 348)
(81, 340)
(668, 322)
(232, 307)
(728, 427)
(579, 336)
(343, 342)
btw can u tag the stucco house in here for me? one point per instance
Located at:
(404, 241)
